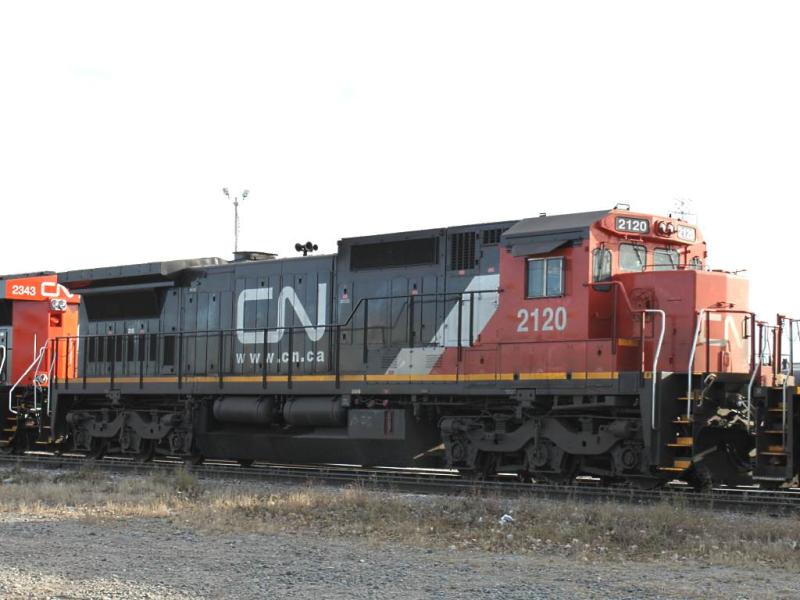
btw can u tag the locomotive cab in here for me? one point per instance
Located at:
(575, 286)
(614, 300)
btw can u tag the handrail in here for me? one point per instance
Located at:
(405, 297)
(36, 383)
(783, 406)
(655, 360)
(36, 359)
(49, 380)
(756, 368)
(292, 328)
(692, 354)
(789, 370)
(3, 360)
(457, 297)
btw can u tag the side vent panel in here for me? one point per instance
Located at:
(491, 237)
(462, 251)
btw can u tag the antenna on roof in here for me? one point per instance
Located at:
(683, 209)
(622, 205)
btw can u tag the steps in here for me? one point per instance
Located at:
(776, 432)
(26, 424)
(678, 466)
(680, 439)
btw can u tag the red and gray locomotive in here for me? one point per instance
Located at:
(582, 344)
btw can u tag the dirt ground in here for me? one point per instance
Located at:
(81, 547)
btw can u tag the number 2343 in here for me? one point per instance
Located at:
(548, 319)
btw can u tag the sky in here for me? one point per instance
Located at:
(120, 123)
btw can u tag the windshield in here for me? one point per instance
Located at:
(632, 257)
(665, 259)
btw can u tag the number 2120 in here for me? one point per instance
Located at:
(551, 319)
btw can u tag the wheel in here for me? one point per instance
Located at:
(770, 485)
(147, 450)
(485, 467)
(565, 476)
(193, 460)
(8, 449)
(643, 483)
(700, 478)
(99, 449)
(524, 477)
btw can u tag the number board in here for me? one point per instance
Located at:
(44, 287)
(630, 225)
(687, 234)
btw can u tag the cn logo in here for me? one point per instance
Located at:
(287, 297)
(51, 289)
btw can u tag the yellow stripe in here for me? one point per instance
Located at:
(385, 377)
(603, 375)
(628, 343)
(244, 378)
(478, 377)
(412, 377)
(540, 376)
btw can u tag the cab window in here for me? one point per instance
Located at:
(665, 259)
(601, 264)
(545, 277)
(696, 264)
(632, 257)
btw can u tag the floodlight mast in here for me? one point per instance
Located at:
(235, 216)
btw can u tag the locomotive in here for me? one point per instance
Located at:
(593, 343)
(34, 310)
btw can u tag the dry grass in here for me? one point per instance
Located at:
(587, 531)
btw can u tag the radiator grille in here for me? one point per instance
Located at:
(491, 237)
(462, 251)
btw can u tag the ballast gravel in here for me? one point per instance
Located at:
(151, 558)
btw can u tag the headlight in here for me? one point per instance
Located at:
(58, 304)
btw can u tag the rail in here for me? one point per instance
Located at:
(447, 319)
(215, 357)
(37, 382)
(788, 371)
(657, 354)
(37, 360)
(760, 325)
(50, 372)
(3, 360)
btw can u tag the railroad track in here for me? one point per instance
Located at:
(734, 499)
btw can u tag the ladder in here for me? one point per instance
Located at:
(777, 431)
(679, 438)
(777, 458)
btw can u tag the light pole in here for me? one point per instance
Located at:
(235, 216)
